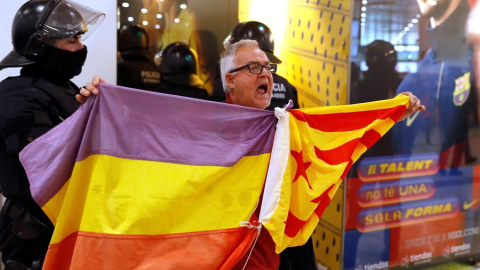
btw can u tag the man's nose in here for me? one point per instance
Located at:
(264, 72)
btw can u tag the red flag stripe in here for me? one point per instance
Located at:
(293, 225)
(206, 250)
(370, 138)
(347, 169)
(344, 152)
(325, 193)
(349, 121)
(322, 206)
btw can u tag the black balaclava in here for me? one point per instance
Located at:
(64, 64)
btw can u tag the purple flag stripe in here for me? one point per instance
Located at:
(136, 124)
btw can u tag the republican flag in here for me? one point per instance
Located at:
(141, 180)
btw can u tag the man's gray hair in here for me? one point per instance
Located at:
(228, 56)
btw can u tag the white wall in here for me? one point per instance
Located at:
(102, 45)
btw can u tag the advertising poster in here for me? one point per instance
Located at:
(414, 200)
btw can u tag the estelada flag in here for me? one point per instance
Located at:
(141, 180)
(313, 151)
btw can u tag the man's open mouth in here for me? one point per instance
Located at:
(262, 89)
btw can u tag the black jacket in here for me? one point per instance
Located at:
(30, 105)
(136, 69)
(171, 88)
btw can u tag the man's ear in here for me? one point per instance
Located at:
(230, 79)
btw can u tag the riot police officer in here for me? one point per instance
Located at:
(381, 79)
(283, 91)
(46, 36)
(379, 82)
(178, 68)
(136, 67)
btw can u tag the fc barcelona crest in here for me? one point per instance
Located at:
(462, 89)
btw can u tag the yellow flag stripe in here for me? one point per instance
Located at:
(183, 198)
(360, 107)
(331, 140)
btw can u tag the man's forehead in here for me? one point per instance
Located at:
(250, 54)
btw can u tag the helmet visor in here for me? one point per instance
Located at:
(68, 19)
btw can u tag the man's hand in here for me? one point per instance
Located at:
(413, 107)
(89, 89)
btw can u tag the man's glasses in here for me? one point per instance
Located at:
(256, 68)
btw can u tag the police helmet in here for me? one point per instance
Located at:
(381, 55)
(230, 38)
(132, 36)
(42, 22)
(179, 65)
(259, 32)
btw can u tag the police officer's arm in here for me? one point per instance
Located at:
(15, 134)
(25, 115)
(89, 89)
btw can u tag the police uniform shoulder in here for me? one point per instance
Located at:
(21, 91)
(279, 79)
(13, 87)
(14, 82)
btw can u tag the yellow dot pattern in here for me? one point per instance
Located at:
(327, 237)
(315, 49)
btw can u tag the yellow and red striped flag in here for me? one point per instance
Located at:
(313, 151)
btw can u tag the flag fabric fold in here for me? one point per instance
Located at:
(138, 180)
